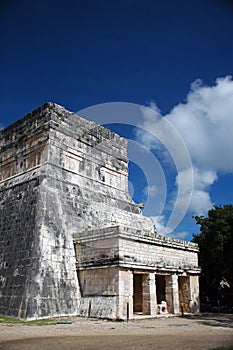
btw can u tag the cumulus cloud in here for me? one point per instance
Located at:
(205, 123)
(200, 199)
(160, 224)
(150, 191)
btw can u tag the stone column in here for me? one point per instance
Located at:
(172, 294)
(125, 296)
(194, 293)
(149, 294)
(130, 298)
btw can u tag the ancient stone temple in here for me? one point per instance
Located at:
(72, 240)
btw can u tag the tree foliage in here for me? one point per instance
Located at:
(215, 241)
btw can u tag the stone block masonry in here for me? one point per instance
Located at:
(72, 240)
(129, 264)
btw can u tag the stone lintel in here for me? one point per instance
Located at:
(142, 268)
(129, 233)
(112, 246)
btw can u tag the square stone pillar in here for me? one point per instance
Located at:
(184, 293)
(172, 294)
(130, 297)
(149, 294)
(194, 293)
(125, 295)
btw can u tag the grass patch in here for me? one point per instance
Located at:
(43, 322)
(6, 319)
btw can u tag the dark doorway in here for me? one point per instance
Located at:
(160, 288)
(137, 293)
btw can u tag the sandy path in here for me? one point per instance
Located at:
(203, 332)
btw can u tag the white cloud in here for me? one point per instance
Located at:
(200, 198)
(159, 222)
(162, 229)
(150, 191)
(205, 123)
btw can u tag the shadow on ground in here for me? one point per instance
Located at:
(215, 320)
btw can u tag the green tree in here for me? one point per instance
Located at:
(215, 241)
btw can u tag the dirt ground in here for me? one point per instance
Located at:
(197, 332)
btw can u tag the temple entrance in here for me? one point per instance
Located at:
(184, 293)
(160, 288)
(137, 293)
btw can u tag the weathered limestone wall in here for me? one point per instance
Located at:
(65, 179)
(194, 295)
(59, 174)
(19, 247)
(149, 254)
(129, 247)
(125, 295)
(38, 271)
(56, 277)
(99, 290)
(94, 161)
(106, 293)
(37, 262)
(172, 294)
(110, 260)
(88, 158)
(98, 306)
(149, 294)
(23, 144)
(99, 282)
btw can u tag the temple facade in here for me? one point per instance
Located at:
(73, 242)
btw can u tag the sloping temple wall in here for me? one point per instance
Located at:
(61, 177)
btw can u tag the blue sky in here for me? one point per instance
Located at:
(83, 53)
